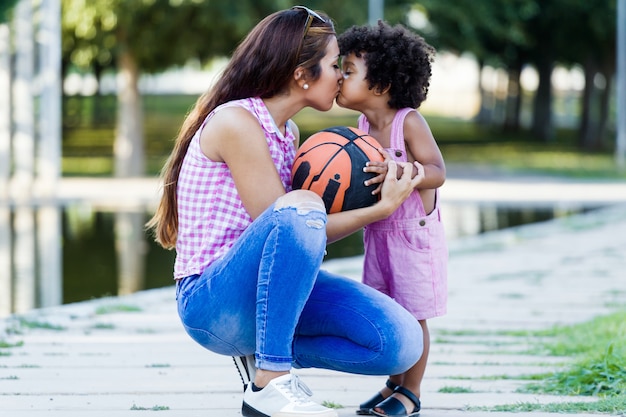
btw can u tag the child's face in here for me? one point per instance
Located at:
(355, 88)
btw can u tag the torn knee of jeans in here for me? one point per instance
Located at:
(316, 223)
(304, 207)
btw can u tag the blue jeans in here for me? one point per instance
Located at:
(268, 296)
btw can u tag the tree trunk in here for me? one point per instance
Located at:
(129, 162)
(128, 149)
(542, 111)
(603, 117)
(484, 113)
(24, 256)
(585, 129)
(5, 171)
(513, 100)
(49, 230)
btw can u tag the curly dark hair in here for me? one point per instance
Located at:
(395, 57)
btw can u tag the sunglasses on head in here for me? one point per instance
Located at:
(307, 25)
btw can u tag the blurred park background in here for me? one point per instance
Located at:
(98, 89)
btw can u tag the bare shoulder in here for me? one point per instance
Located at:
(229, 127)
(420, 141)
(231, 120)
(416, 125)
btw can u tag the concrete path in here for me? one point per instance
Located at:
(129, 356)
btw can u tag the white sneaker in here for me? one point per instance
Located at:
(285, 396)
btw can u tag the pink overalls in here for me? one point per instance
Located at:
(406, 254)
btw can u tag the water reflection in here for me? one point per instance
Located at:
(109, 253)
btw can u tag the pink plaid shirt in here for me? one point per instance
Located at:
(211, 215)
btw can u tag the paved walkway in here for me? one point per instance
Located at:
(93, 359)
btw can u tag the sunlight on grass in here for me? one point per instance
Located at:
(90, 166)
(599, 349)
(455, 390)
(580, 339)
(598, 371)
(612, 405)
(117, 308)
(89, 133)
(532, 158)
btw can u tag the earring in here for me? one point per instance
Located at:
(305, 86)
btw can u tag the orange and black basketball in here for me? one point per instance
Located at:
(330, 163)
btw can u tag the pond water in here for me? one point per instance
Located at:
(92, 257)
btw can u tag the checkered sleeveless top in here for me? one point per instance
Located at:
(211, 215)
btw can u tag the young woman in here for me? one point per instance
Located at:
(249, 250)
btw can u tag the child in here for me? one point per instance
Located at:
(386, 78)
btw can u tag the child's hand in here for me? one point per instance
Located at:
(378, 168)
(418, 172)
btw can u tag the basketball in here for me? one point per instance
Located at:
(330, 163)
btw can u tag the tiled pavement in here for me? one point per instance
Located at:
(94, 359)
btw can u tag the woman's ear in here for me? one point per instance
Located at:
(300, 76)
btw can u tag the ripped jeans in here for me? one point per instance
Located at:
(268, 296)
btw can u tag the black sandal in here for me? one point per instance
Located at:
(392, 407)
(364, 409)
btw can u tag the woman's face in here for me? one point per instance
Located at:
(324, 90)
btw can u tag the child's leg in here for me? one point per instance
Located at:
(412, 379)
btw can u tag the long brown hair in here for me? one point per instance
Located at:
(261, 66)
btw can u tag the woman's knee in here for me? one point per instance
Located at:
(302, 200)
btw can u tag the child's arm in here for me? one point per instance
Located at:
(423, 148)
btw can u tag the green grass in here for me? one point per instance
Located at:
(103, 326)
(117, 308)
(153, 408)
(594, 374)
(595, 335)
(330, 404)
(455, 390)
(4, 344)
(89, 133)
(610, 405)
(36, 324)
(599, 351)
(596, 369)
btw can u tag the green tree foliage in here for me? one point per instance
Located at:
(148, 36)
(158, 33)
(5, 10)
(542, 33)
(166, 33)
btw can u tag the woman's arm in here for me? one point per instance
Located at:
(235, 137)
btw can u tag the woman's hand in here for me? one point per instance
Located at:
(380, 169)
(395, 190)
